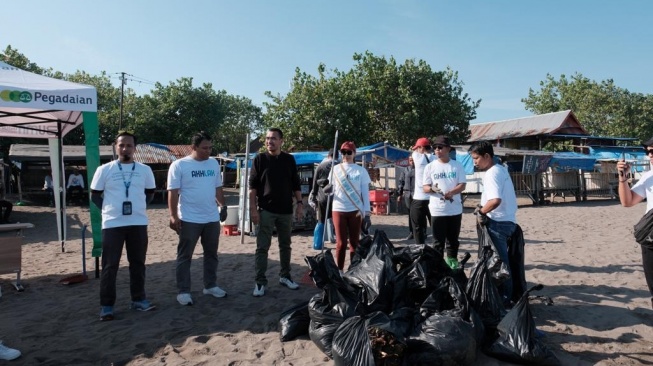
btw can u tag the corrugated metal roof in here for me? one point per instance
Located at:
(564, 122)
(153, 154)
(180, 151)
(33, 152)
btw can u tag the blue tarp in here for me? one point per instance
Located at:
(572, 160)
(616, 152)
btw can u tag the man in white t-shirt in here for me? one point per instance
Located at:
(122, 189)
(630, 197)
(419, 207)
(194, 193)
(498, 206)
(75, 184)
(444, 181)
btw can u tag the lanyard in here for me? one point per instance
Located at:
(127, 183)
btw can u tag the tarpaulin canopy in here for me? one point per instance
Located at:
(36, 106)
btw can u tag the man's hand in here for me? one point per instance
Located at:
(436, 189)
(254, 216)
(299, 212)
(223, 213)
(328, 189)
(481, 218)
(623, 168)
(175, 224)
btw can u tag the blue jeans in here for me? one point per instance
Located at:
(499, 232)
(209, 236)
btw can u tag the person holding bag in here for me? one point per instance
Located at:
(630, 196)
(351, 202)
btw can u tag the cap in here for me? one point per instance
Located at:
(348, 145)
(441, 140)
(648, 143)
(422, 141)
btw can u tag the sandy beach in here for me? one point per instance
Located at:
(583, 253)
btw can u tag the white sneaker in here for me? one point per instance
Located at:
(259, 290)
(288, 283)
(7, 353)
(214, 291)
(185, 299)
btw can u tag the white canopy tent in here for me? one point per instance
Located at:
(36, 106)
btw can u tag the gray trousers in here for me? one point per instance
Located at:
(209, 235)
(268, 222)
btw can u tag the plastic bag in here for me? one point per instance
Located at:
(294, 322)
(318, 235)
(373, 275)
(449, 332)
(484, 294)
(420, 270)
(327, 311)
(368, 341)
(495, 265)
(516, 258)
(517, 341)
(324, 270)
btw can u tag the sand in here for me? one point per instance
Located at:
(582, 252)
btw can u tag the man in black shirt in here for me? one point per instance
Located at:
(273, 182)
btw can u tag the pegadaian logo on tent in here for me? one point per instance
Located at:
(26, 97)
(16, 96)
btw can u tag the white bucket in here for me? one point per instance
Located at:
(232, 216)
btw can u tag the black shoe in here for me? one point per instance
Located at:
(409, 237)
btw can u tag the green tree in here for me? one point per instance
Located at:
(377, 100)
(602, 108)
(173, 113)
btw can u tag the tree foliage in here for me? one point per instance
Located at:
(377, 100)
(602, 108)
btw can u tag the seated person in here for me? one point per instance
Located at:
(48, 186)
(5, 211)
(75, 184)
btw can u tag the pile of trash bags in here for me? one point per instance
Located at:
(406, 306)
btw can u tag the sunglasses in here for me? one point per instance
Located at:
(649, 152)
(346, 152)
(439, 147)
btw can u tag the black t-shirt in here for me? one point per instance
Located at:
(275, 179)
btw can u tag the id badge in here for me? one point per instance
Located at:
(127, 208)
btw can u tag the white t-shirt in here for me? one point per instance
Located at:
(497, 184)
(644, 188)
(75, 180)
(197, 182)
(447, 175)
(421, 161)
(360, 179)
(111, 180)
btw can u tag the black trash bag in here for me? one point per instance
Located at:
(361, 250)
(420, 268)
(498, 269)
(484, 294)
(373, 275)
(368, 341)
(294, 322)
(516, 259)
(327, 311)
(450, 299)
(324, 270)
(517, 341)
(449, 333)
(404, 320)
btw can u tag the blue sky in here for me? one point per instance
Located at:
(499, 48)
